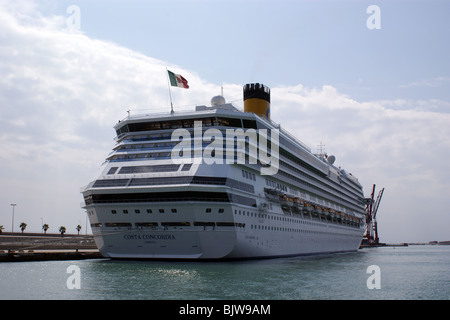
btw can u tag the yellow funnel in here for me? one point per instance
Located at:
(257, 99)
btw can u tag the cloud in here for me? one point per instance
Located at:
(433, 83)
(61, 93)
(366, 133)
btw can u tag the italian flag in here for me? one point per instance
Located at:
(177, 80)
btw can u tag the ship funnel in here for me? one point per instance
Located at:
(257, 99)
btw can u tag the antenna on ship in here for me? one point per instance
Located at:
(320, 151)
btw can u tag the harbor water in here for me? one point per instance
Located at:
(419, 272)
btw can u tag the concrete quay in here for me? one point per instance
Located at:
(13, 256)
(44, 247)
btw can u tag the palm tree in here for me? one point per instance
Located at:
(45, 228)
(78, 229)
(23, 226)
(1, 228)
(62, 230)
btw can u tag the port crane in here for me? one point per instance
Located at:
(371, 234)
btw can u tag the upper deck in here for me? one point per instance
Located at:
(148, 139)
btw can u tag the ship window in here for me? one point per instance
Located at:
(150, 169)
(112, 170)
(207, 122)
(125, 211)
(204, 224)
(177, 124)
(225, 224)
(220, 210)
(137, 211)
(249, 124)
(175, 224)
(186, 167)
(110, 183)
(229, 122)
(165, 125)
(117, 224)
(161, 196)
(124, 129)
(208, 210)
(149, 210)
(174, 210)
(161, 210)
(146, 224)
(113, 211)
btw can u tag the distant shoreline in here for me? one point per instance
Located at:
(404, 244)
(41, 234)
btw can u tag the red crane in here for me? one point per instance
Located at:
(371, 234)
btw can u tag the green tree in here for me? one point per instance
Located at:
(23, 226)
(62, 230)
(45, 227)
(78, 229)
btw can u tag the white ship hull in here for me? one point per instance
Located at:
(238, 232)
(221, 245)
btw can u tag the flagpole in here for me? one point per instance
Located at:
(170, 92)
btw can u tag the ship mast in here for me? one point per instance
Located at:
(321, 150)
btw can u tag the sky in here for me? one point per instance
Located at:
(372, 85)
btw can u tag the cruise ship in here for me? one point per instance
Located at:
(218, 183)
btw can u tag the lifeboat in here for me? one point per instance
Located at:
(332, 213)
(298, 203)
(328, 214)
(308, 207)
(317, 209)
(287, 200)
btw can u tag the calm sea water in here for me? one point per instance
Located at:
(414, 272)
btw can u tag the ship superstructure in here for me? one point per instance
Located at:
(219, 183)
